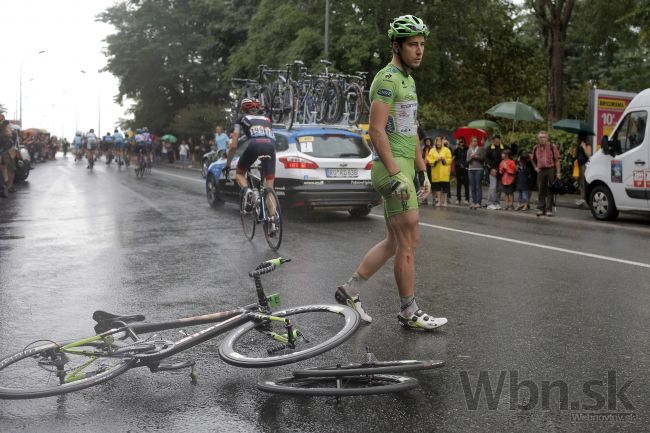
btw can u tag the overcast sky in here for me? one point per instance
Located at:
(57, 96)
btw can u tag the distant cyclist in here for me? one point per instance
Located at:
(91, 145)
(120, 145)
(108, 141)
(393, 131)
(259, 130)
(78, 142)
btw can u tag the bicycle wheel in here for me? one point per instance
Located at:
(353, 102)
(335, 100)
(273, 223)
(248, 216)
(341, 386)
(377, 367)
(289, 106)
(320, 328)
(45, 370)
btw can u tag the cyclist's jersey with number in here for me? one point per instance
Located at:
(393, 87)
(258, 128)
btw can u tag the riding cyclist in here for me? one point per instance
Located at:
(119, 146)
(261, 142)
(393, 132)
(91, 144)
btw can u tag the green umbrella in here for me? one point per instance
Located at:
(515, 110)
(168, 137)
(483, 124)
(573, 125)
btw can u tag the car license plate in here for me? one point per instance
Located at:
(342, 172)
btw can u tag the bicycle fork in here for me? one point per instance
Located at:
(287, 340)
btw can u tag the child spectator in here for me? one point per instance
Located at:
(522, 181)
(508, 170)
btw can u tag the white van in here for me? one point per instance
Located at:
(618, 176)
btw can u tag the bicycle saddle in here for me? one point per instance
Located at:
(106, 320)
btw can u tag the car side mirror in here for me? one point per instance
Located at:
(604, 144)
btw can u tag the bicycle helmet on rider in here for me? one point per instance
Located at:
(406, 26)
(250, 104)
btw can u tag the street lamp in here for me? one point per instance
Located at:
(20, 89)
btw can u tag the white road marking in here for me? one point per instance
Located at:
(532, 244)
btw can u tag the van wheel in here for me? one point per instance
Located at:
(359, 212)
(602, 204)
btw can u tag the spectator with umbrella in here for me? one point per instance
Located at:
(582, 152)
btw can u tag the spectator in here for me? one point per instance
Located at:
(183, 151)
(428, 144)
(440, 160)
(583, 153)
(508, 171)
(522, 181)
(493, 159)
(164, 151)
(546, 161)
(6, 159)
(475, 158)
(462, 176)
(222, 140)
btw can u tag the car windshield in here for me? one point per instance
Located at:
(333, 146)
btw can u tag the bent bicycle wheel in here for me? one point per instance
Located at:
(341, 386)
(377, 367)
(45, 370)
(273, 223)
(319, 328)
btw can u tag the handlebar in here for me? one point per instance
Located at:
(267, 266)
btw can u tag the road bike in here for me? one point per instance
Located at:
(259, 338)
(261, 206)
(144, 165)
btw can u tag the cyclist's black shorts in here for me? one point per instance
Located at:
(255, 149)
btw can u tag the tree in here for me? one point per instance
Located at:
(553, 17)
(169, 54)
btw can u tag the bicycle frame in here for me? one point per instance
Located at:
(257, 183)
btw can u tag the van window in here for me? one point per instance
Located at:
(631, 132)
(334, 146)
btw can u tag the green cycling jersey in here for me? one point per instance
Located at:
(397, 89)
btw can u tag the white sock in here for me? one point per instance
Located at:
(354, 284)
(409, 306)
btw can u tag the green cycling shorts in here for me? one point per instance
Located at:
(380, 178)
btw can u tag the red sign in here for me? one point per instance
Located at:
(608, 107)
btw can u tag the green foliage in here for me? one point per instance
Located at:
(175, 57)
(196, 119)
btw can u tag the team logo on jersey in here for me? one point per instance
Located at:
(385, 92)
(387, 76)
(390, 124)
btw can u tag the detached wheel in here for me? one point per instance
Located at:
(359, 212)
(602, 204)
(212, 191)
(204, 167)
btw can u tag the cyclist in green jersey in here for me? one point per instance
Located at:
(393, 132)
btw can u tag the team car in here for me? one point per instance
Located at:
(317, 167)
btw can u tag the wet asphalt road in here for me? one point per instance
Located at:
(568, 301)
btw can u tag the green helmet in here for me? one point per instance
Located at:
(406, 26)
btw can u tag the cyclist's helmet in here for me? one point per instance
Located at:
(248, 104)
(407, 26)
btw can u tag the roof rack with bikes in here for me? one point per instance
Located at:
(294, 95)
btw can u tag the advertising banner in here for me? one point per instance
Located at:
(607, 107)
